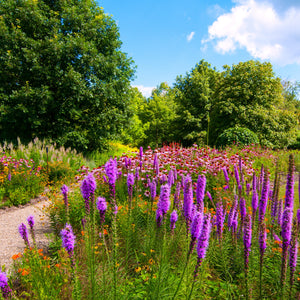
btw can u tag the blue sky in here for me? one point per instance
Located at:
(167, 38)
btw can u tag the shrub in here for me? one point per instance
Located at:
(237, 135)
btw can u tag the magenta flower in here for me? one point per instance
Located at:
(264, 198)
(130, 183)
(188, 201)
(173, 220)
(195, 229)
(68, 239)
(102, 207)
(64, 190)
(164, 199)
(247, 239)
(289, 192)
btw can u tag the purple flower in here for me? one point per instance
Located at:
(130, 183)
(9, 176)
(298, 217)
(243, 209)
(264, 198)
(203, 240)
(24, 234)
(137, 174)
(254, 195)
(156, 164)
(225, 174)
(30, 221)
(5, 289)
(173, 220)
(64, 190)
(171, 178)
(177, 196)
(195, 229)
(286, 227)
(232, 211)
(159, 217)
(164, 199)
(279, 212)
(102, 207)
(289, 192)
(220, 219)
(248, 189)
(247, 239)
(262, 238)
(141, 153)
(241, 169)
(111, 171)
(68, 239)
(237, 176)
(200, 192)
(293, 251)
(153, 190)
(188, 200)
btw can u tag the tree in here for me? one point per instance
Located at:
(249, 95)
(193, 96)
(62, 73)
(157, 115)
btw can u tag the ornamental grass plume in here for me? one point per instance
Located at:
(173, 220)
(5, 289)
(24, 234)
(286, 230)
(188, 202)
(102, 207)
(200, 192)
(289, 191)
(264, 198)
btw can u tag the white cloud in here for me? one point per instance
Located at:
(190, 36)
(145, 90)
(260, 29)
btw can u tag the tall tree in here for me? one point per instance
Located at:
(194, 94)
(62, 73)
(249, 95)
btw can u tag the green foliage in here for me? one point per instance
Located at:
(157, 115)
(249, 95)
(62, 73)
(193, 95)
(237, 135)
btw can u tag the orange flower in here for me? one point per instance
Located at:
(25, 272)
(57, 265)
(105, 232)
(16, 256)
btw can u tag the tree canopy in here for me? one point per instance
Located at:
(62, 73)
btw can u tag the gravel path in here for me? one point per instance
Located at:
(10, 240)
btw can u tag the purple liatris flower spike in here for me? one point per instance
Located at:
(289, 192)
(171, 178)
(243, 209)
(111, 171)
(293, 251)
(247, 239)
(130, 183)
(173, 220)
(200, 192)
(9, 176)
(298, 217)
(232, 212)
(248, 189)
(30, 221)
(225, 174)
(241, 169)
(64, 190)
(188, 201)
(141, 153)
(195, 229)
(264, 198)
(102, 207)
(5, 289)
(68, 239)
(279, 212)
(153, 190)
(203, 242)
(219, 220)
(164, 199)
(177, 203)
(24, 234)
(261, 177)
(137, 174)
(254, 196)
(286, 231)
(262, 239)
(159, 217)
(237, 176)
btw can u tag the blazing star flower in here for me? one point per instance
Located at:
(102, 207)
(264, 198)
(173, 220)
(171, 178)
(164, 199)
(68, 239)
(203, 240)
(195, 229)
(130, 183)
(24, 234)
(177, 203)
(243, 209)
(159, 217)
(188, 200)
(111, 171)
(262, 238)
(220, 219)
(5, 289)
(30, 221)
(225, 174)
(64, 190)
(200, 192)
(289, 192)
(153, 190)
(293, 251)
(247, 239)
